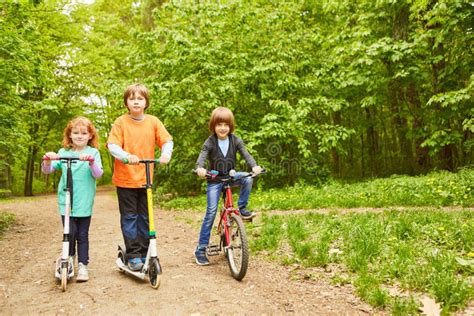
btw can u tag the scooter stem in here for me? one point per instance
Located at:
(150, 212)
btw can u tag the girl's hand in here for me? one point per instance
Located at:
(257, 169)
(133, 160)
(50, 156)
(86, 157)
(201, 172)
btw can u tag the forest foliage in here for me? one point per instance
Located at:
(346, 89)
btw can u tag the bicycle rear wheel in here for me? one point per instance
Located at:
(237, 248)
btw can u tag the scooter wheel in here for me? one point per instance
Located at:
(63, 278)
(154, 273)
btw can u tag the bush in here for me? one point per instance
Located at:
(6, 219)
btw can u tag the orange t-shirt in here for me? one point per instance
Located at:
(137, 138)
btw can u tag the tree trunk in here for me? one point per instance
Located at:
(400, 28)
(362, 154)
(422, 161)
(30, 170)
(335, 155)
(372, 143)
(28, 187)
(446, 154)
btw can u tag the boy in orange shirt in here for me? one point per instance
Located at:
(133, 137)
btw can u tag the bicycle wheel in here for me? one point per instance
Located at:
(237, 248)
(154, 273)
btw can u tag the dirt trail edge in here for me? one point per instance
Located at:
(29, 248)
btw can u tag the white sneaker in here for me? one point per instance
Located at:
(82, 273)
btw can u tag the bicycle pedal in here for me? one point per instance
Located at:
(213, 250)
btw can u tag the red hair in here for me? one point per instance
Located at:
(80, 121)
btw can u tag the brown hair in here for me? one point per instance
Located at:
(221, 115)
(137, 88)
(84, 122)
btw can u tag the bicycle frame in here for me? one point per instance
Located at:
(227, 209)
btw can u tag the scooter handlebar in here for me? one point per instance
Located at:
(155, 161)
(46, 158)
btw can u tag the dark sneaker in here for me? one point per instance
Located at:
(246, 214)
(135, 264)
(201, 257)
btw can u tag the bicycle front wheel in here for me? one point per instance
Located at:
(237, 248)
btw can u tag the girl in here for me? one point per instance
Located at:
(221, 149)
(80, 140)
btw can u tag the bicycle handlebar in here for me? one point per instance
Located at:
(212, 174)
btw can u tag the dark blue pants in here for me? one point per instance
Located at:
(134, 221)
(79, 237)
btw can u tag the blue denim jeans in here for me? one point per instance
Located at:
(214, 190)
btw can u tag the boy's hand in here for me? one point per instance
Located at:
(201, 172)
(257, 169)
(133, 160)
(164, 159)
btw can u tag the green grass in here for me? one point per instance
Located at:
(6, 219)
(418, 251)
(435, 189)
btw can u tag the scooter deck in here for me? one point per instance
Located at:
(123, 267)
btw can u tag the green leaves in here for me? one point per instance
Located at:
(358, 88)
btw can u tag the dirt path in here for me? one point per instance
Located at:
(29, 248)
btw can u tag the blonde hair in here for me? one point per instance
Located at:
(221, 115)
(80, 121)
(131, 90)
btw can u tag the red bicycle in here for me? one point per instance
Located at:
(231, 229)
